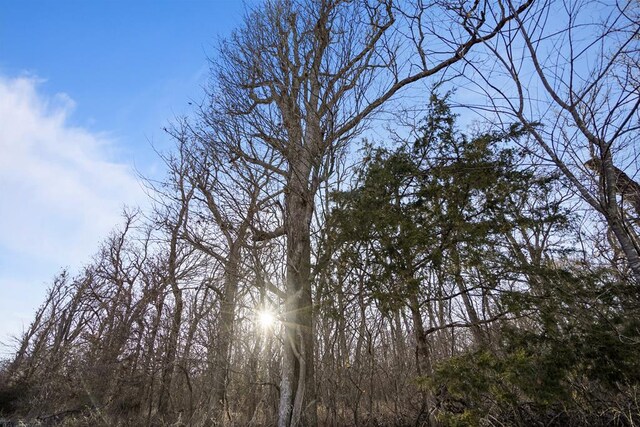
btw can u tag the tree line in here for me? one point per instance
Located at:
(436, 275)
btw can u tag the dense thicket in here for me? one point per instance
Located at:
(446, 277)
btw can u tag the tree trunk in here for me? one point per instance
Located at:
(298, 404)
(224, 333)
(476, 329)
(622, 229)
(423, 358)
(169, 368)
(168, 371)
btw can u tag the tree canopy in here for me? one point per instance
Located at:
(292, 272)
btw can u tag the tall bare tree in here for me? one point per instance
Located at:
(218, 198)
(568, 71)
(303, 78)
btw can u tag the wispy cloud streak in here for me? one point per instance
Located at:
(61, 191)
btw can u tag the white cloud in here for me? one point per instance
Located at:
(60, 190)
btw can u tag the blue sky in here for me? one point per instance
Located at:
(85, 88)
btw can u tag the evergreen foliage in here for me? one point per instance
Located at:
(450, 279)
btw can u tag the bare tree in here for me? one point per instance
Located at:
(568, 71)
(218, 198)
(171, 214)
(303, 78)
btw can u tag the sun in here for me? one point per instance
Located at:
(266, 319)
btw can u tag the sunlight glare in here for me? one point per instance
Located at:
(266, 319)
